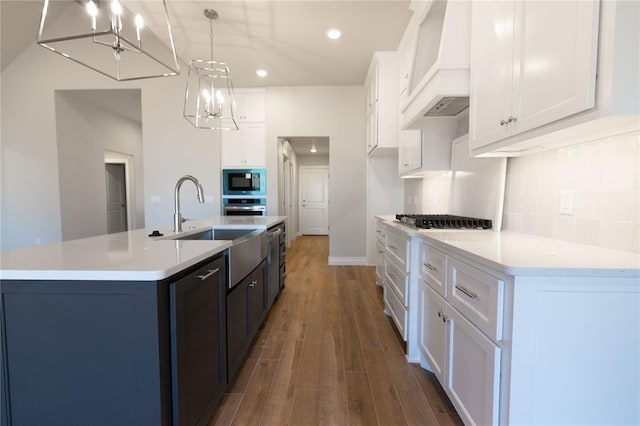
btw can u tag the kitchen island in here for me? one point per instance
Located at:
(518, 329)
(125, 328)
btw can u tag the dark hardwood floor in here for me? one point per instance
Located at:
(328, 355)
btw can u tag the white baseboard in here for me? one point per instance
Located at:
(347, 261)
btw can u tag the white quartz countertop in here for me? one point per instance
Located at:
(125, 256)
(521, 254)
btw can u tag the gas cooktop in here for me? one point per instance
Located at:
(443, 221)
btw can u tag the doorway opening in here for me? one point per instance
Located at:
(94, 127)
(303, 184)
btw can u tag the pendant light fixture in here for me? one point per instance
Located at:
(107, 37)
(209, 101)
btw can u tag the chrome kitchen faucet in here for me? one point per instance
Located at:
(177, 217)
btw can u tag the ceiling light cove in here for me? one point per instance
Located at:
(262, 73)
(334, 33)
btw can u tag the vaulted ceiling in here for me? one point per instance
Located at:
(286, 38)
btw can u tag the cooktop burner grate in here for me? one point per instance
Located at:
(444, 221)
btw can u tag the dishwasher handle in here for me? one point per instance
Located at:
(272, 235)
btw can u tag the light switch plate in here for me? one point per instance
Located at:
(566, 203)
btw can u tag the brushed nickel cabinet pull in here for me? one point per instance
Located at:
(467, 292)
(206, 275)
(430, 267)
(253, 283)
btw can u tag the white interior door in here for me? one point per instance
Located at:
(116, 198)
(314, 200)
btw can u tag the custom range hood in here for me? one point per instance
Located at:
(438, 70)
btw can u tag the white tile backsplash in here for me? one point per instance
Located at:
(604, 180)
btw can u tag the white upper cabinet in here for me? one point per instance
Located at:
(427, 151)
(409, 151)
(533, 73)
(246, 147)
(382, 103)
(250, 105)
(405, 63)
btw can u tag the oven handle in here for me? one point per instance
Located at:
(251, 208)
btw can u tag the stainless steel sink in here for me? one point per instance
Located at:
(248, 250)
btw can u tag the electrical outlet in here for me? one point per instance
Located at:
(566, 203)
(155, 199)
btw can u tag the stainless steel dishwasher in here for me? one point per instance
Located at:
(273, 264)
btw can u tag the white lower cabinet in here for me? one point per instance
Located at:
(397, 310)
(527, 350)
(432, 329)
(379, 264)
(453, 344)
(392, 265)
(464, 360)
(472, 374)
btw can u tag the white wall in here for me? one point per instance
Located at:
(31, 205)
(84, 131)
(385, 192)
(603, 177)
(338, 113)
(313, 160)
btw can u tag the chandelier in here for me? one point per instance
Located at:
(209, 101)
(109, 38)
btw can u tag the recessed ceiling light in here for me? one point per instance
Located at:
(262, 73)
(334, 33)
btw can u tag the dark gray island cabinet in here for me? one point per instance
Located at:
(115, 352)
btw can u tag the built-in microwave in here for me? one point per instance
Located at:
(244, 182)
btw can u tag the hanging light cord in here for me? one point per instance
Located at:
(211, 36)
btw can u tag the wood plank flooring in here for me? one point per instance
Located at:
(329, 356)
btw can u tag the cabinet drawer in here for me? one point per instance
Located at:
(397, 245)
(397, 311)
(478, 296)
(381, 234)
(379, 264)
(433, 268)
(397, 280)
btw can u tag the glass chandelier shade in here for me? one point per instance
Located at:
(209, 100)
(111, 38)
